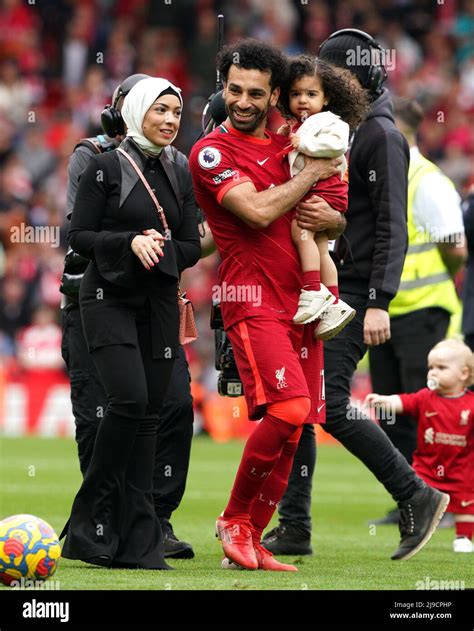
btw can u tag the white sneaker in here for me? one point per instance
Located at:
(333, 320)
(312, 304)
(463, 544)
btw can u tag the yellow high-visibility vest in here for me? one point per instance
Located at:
(425, 280)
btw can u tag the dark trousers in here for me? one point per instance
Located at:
(113, 513)
(358, 433)
(175, 425)
(88, 397)
(173, 440)
(400, 365)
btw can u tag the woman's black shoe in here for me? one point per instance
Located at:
(173, 547)
(287, 539)
(102, 559)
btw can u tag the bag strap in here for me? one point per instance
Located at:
(159, 209)
(98, 144)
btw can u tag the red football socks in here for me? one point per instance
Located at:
(265, 503)
(465, 529)
(261, 454)
(334, 289)
(312, 281)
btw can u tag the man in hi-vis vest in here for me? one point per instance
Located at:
(421, 311)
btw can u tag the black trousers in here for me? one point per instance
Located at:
(113, 513)
(358, 433)
(400, 365)
(88, 397)
(175, 426)
(173, 440)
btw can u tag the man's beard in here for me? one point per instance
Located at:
(247, 126)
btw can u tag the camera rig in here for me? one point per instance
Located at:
(228, 382)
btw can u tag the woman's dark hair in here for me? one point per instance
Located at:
(254, 55)
(345, 99)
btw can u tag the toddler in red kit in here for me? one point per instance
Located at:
(322, 106)
(445, 411)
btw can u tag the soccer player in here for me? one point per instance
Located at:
(444, 457)
(245, 191)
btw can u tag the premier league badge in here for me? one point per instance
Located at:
(209, 157)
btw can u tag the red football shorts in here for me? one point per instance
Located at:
(279, 360)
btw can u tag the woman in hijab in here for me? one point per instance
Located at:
(129, 308)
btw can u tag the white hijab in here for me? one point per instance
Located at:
(137, 103)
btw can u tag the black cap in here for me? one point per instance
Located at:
(354, 50)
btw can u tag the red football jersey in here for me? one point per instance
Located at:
(445, 452)
(260, 272)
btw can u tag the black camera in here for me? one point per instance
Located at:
(74, 267)
(228, 383)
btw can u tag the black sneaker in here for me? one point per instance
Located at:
(288, 540)
(419, 517)
(174, 548)
(391, 519)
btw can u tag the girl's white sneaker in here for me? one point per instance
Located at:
(312, 304)
(333, 320)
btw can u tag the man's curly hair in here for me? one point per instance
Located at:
(254, 55)
(344, 98)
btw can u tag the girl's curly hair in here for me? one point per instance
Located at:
(345, 99)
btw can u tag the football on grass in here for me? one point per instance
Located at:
(29, 549)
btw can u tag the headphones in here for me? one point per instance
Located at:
(111, 118)
(377, 73)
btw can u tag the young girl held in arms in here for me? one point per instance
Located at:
(322, 105)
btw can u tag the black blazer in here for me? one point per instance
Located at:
(112, 206)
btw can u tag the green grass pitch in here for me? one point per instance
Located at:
(41, 476)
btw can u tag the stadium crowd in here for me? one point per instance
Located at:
(60, 61)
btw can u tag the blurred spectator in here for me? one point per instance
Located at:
(37, 159)
(19, 26)
(408, 53)
(201, 49)
(39, 345)
(317, 24)
(77, 47)
(276, 23)
(14, 308)
(464, 31)
(465, 98)
(120, 53)
(15, 94)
